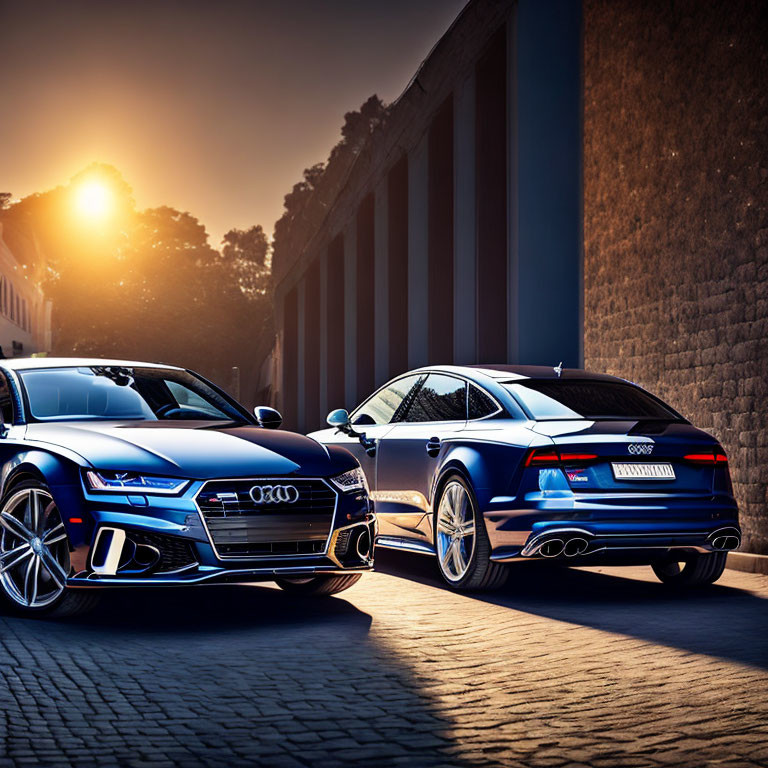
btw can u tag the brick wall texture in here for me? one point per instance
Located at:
(676, 217)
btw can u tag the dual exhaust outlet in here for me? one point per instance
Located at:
(575, 545)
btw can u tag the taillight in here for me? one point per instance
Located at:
(542, 457)
(567, 458)
(550, 457)
(715, 457)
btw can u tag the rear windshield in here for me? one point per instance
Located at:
(584, 399)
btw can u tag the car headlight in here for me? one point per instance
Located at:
(127, 482)
(353, 480)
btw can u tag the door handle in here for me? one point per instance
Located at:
(433, 446)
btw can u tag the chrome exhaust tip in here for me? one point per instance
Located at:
(363, 545)
(725, 539)
(575, 546)
(726, 542)
(552, 548)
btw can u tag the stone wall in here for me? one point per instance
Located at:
(676, 217)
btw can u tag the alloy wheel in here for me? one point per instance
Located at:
(34, 550)
(455, 531)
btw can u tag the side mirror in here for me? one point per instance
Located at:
(267, 417)
(339, 419)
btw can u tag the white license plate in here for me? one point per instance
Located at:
(636, 470)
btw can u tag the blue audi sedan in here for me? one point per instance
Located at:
(116, 473)
(482, 466)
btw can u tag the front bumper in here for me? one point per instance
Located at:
(211, 575)
(165, 542)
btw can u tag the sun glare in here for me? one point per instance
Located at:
(93, 199)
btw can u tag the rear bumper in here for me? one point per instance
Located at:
(636, 526)
(556, 541)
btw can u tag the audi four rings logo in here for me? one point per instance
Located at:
(640, 448)
(275, 494)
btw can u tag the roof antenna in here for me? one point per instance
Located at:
(559, 369)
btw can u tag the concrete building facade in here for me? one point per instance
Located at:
(25, 314)
(569, 181)
(459, 215)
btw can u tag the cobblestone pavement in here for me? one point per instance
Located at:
(573, 667)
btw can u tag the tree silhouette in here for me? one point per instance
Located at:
(310, 198)
(147, 284)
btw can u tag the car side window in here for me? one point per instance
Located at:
(6, 401)
(480, 404)
(441, 398)
(383, 406)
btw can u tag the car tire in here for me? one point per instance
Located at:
(34, 556)
(479, 573)
(319, 585)
(698, 570)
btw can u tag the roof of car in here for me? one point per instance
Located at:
(503, 372)
(28, 363)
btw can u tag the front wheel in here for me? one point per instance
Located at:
(461, 541)
(319, 585)
(34, 555)
(697, 570)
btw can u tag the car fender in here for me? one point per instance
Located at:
(489, 467)
(467, 460)
(52, 469)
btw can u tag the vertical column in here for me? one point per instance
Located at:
(323, 334)
(418, 255)
(290, 359)
(397, 205)
(465, 232)
(336, 304)
(546, 137)
(440, 239)
(364, 295)
(491, 169)
(301, 351)
(277, 393)
(381, 279)
(311, 355)
(349, 338)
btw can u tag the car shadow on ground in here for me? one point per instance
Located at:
(216, 608)
(234, 676)
(717, 621)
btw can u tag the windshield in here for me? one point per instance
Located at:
(114, 394)
(585, 399)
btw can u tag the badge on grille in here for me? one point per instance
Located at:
(275, 494)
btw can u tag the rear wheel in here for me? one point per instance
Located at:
(696, 570)
(461, 541)
(319, 585)
(34, 555)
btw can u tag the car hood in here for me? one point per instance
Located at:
(198, 450)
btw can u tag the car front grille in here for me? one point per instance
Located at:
(240, 527)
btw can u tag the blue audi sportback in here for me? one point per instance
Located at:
(117, 473)
(482, 466)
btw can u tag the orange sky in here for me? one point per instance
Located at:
(211, 107)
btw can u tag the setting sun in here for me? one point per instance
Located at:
(93, 199)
